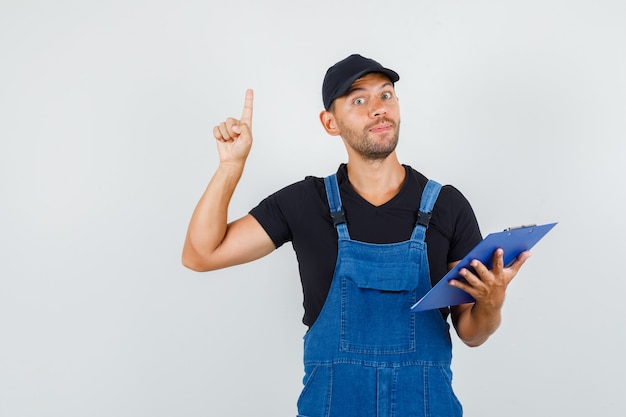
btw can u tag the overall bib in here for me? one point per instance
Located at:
(367, 355)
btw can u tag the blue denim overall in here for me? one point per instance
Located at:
(367, 355)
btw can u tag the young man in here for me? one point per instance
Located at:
(370, 241)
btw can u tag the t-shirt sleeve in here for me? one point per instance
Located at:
(271, 217)
(286, 211)
(466, 232)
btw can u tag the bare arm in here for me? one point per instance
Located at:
(475, 322)
(212, 243)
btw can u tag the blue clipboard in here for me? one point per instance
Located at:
(513, 241)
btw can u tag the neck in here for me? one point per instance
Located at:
(376, 181)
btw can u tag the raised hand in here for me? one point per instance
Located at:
(234, 137)
(212, 242)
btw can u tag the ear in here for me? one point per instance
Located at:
(329, 123)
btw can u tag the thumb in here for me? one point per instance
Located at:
(241, 127)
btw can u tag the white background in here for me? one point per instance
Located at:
(106, 113)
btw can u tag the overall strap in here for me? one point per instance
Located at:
(429, 197)
(336, 210)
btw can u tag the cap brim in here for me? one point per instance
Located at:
(345, 86)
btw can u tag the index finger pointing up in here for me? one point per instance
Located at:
(246, 115)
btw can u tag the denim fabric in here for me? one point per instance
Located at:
(367, 355)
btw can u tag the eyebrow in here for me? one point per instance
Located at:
(381, 87)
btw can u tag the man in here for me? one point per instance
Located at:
(370, 240)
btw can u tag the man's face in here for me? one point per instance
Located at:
(368, 117)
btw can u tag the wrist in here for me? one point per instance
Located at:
(231, 168)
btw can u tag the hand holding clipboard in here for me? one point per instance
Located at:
(513, 241)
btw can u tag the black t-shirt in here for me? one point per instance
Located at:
(299, 213)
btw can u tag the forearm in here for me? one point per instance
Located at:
(209, 221)
(475, 323)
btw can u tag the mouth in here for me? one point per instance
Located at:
(381, 128)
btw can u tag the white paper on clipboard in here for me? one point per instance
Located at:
(513, 241)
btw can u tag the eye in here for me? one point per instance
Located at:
(358, 101)
(387, 96)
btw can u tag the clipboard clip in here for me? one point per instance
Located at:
(508, 229)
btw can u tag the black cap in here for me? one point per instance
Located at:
(340, 76)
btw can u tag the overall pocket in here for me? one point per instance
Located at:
(441, 398)
(314, 400)
(375, 308)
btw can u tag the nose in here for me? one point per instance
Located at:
(378, 107)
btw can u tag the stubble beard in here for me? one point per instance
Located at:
(369, 148)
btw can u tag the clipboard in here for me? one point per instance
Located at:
(512, 240)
